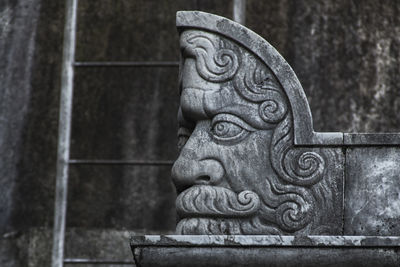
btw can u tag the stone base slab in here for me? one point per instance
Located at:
(203, 250)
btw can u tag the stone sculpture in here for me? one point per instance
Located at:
(251, 168)
(242, 117)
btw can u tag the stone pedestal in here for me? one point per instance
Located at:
(265, 250)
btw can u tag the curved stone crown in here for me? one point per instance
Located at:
(303, 131)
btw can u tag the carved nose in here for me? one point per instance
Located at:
(187, 172)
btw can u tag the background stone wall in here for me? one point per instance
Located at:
(345, 53)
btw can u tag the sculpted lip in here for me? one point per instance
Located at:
(214, 201)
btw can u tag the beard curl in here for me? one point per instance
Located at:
(219, 211)
(209, 201)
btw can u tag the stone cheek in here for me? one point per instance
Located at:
(239, 171)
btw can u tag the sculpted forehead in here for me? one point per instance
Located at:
(192, 79)
(217, 59)
(201, 99)
(218, 76)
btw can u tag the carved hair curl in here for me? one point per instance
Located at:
(213, 62)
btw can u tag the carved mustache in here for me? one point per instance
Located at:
(205, 200)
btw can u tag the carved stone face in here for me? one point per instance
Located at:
(237, 172)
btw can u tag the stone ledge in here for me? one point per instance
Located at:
(265, 241)
(371, 139)
(207, 250)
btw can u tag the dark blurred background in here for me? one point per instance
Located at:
(345, 53)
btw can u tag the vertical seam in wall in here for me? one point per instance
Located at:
(239, 11)
(233, 9)
(344, 186)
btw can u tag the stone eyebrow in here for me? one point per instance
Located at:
(247, 113)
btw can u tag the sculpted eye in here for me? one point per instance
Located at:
(227, 127)
(224, 129)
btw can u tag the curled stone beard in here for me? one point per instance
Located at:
(209, 201)
(214, 210)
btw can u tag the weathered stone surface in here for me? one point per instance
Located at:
(13, 250)
(292, 256)
(34, 247)
(265, 251)
(127, 197)
(111, 106)
(242, 111)
(346, 54)
(264, 241)
(140, 30)
(354, 139)
(372, 192)
(19, 29)
(30, 52)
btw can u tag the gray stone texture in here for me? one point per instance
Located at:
(372, 203)
(265, 251)
(95, 244)
(30, 48)
(294, 256)
(345, 53)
